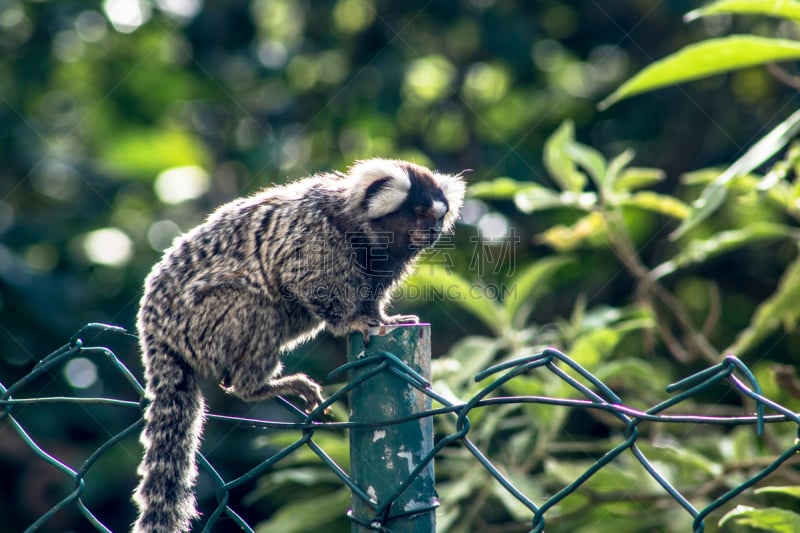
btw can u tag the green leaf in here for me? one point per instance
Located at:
(658, 203)
(590, 228)
(691, 464)
(460, 292)
(530, 284)
(591, 348)
(779, 309)
(562, 155)
(536, 199)
(605, 316)
(336, 447)
(704, 59)
(296, 518)
(787, 9)
(702, 176)
(637, 178)
(590, 159)
(277, 482)
(769, 519)
(610, 479)
(793, 491)
(540, 198)
(530, 197)
(709, 201)
(714, 194)
(698, 251)
(502, 188)
(615, 169)
(558, 161)
(601, 330)
(459, 491)
(525, 484)
(464, 487)
(637, 374)
(766, 186)
(471, 355)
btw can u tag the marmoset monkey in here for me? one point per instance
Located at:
(259, 276)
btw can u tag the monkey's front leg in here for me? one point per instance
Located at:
(343, 316)
(360, 324)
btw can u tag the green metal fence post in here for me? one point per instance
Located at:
(383, 455)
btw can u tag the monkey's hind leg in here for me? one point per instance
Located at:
(237, 345)
(254, 373)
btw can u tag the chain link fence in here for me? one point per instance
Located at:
(595, 395)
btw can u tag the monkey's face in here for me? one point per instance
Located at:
(426, 226)
(407, 206)
(416, 207)
(411, 229)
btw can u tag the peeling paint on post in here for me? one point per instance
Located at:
(383, 456)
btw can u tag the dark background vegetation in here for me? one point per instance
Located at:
(93, 109)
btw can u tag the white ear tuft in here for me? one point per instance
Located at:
(453, 186)
(391, 181)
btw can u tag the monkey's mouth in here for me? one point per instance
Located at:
(424, 238)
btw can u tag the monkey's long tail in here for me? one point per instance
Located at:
(171, 437)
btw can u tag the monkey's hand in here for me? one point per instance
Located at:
(359, 324)
(362, 325)
(389, 320)
(400, 319)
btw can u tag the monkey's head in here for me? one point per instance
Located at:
(407, 206)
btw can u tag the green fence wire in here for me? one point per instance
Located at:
(596, 395)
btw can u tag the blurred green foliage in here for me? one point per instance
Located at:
(123, 122)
